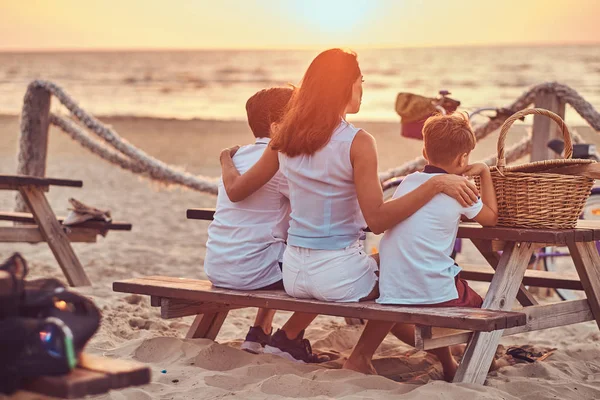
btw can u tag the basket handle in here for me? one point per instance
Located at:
(501, 160)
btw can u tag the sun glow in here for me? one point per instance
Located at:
(291, 24)
(334, 17)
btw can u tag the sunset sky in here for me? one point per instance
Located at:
(268, 24)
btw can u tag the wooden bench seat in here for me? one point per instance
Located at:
(532, 277)
(85, 232)
(203, 298)
(94, 375)
(100, 225)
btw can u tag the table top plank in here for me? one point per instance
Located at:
(584, 232)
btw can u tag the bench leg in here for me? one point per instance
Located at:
(480, 351)
(207, 325)
(485, 248)
(587, 262)
(54, 235)
(354, 321)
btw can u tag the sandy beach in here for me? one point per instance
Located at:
(163, 242)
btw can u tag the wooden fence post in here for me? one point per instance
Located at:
(33, 143)
(544, 129)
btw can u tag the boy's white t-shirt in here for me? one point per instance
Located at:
(246, 240)
(416, 267)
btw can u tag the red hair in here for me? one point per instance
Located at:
(317, 105)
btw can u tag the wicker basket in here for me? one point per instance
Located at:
(530, 198)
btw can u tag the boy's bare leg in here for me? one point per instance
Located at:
(370, 339)
(375, 256)
(297, 323)
(406, 333)
(264, 319)
(375, 292)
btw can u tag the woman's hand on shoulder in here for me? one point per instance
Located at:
(228, 153)
(239, 187)
(458, 187)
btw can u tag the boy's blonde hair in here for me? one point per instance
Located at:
(445, 137)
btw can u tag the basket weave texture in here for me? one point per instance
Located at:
(530, 198)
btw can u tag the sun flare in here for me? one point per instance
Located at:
(333, 16)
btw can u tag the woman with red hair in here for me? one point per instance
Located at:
(331, 168)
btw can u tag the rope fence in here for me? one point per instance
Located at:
(104, 142)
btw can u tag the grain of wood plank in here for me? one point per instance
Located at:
(198, 290)
(544, 129)
(207, 326)
(32, 234)
(501, 295)
(122, 373)
(12, 186)
(538, 317)
(99, 225)
(485, 247)
(587, 262)
(532, 277)
(28, 180)
(155, 301)
(470, 230)
(175, 308)
(78, 383)
(55, 236)
(585, 232)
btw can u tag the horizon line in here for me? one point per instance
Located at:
(292, 48)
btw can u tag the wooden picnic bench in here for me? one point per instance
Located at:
(93, 374)
(508, 275)
(46, 227)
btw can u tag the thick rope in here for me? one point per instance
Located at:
(135, 160)
(83, 138)
(131, 157)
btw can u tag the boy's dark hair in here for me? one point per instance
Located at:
(265, 107)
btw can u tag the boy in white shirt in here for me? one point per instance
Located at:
(246, 239)
(416, 267)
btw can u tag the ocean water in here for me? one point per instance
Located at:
(216, 84)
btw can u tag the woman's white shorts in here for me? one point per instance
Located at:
(344, 275)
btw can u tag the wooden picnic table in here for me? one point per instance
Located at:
(434, 327)
(506, 287)
(48, 226)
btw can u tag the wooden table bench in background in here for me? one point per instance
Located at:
(47, 226)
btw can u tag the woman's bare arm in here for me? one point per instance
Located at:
(381, 215)
(239, 187)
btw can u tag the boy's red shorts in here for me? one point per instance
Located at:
(467, 297)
